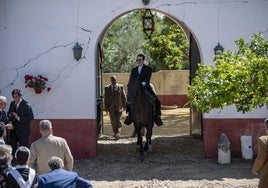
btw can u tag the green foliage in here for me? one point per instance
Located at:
(168, 49)
(237, 78)
(122, 43)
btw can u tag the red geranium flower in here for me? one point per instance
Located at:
(37, 83)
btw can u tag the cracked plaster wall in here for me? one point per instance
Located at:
(36, 37)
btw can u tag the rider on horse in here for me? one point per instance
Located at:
(144, 74)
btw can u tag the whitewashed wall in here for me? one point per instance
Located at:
(36, 37)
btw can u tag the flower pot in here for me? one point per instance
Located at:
(38, 90)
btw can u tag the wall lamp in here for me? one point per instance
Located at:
(146, 2)
(218, 48)
(77, 51)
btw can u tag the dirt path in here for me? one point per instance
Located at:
(176, 122)
(176, 161)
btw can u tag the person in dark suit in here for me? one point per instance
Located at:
(144, 73)
(20, 114)
(60, 178)
(115, 104)
(22, 175)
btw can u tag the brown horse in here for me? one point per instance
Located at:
(141, 113)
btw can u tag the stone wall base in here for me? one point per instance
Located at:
(234, 129)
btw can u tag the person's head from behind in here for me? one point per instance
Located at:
(2, 129)
(5, 149)
(5, 154)
(22, 155)
(113, 79)
(55, 163)
(140, 59)
(3, 102)
(45, 127)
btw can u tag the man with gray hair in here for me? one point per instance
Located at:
(115, 104)
(4, 119)
(3, 104)
(261, 162)
(60, 178)
(47, 146)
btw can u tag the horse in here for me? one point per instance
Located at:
(141, 113)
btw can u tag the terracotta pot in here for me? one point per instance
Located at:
(38, 90)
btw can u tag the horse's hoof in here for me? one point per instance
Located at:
(137, 148)
(145, 148)
(150, 149)
(142, 157)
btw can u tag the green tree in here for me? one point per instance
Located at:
(122, 43)
(238, 78)
(169, 48)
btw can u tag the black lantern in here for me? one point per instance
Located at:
(218, 48)
(146, 2)
(148, 23)
(77, 50)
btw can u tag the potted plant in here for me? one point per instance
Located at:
(38, 83)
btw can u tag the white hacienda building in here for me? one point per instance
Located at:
(37, 37)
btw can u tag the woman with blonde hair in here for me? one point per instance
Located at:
(5, 163)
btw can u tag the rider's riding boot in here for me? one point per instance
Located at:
(157, 111)
(158, 121)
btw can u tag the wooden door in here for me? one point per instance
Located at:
(195, 117)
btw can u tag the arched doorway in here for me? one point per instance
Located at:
(195, 118)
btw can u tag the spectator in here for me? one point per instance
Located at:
(47, 146)
(22, 175)
(4, 118)
(115, 103)
(2, 132)
(60, 178)
(5, 163)
(3, 104)
(261, 162)
(5, 150)
(21, 114)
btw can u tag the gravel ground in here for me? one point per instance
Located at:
(177, 161)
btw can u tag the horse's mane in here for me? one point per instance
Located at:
(133, 85)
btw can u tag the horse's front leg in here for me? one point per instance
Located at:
(148, 144)
(139, 139)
